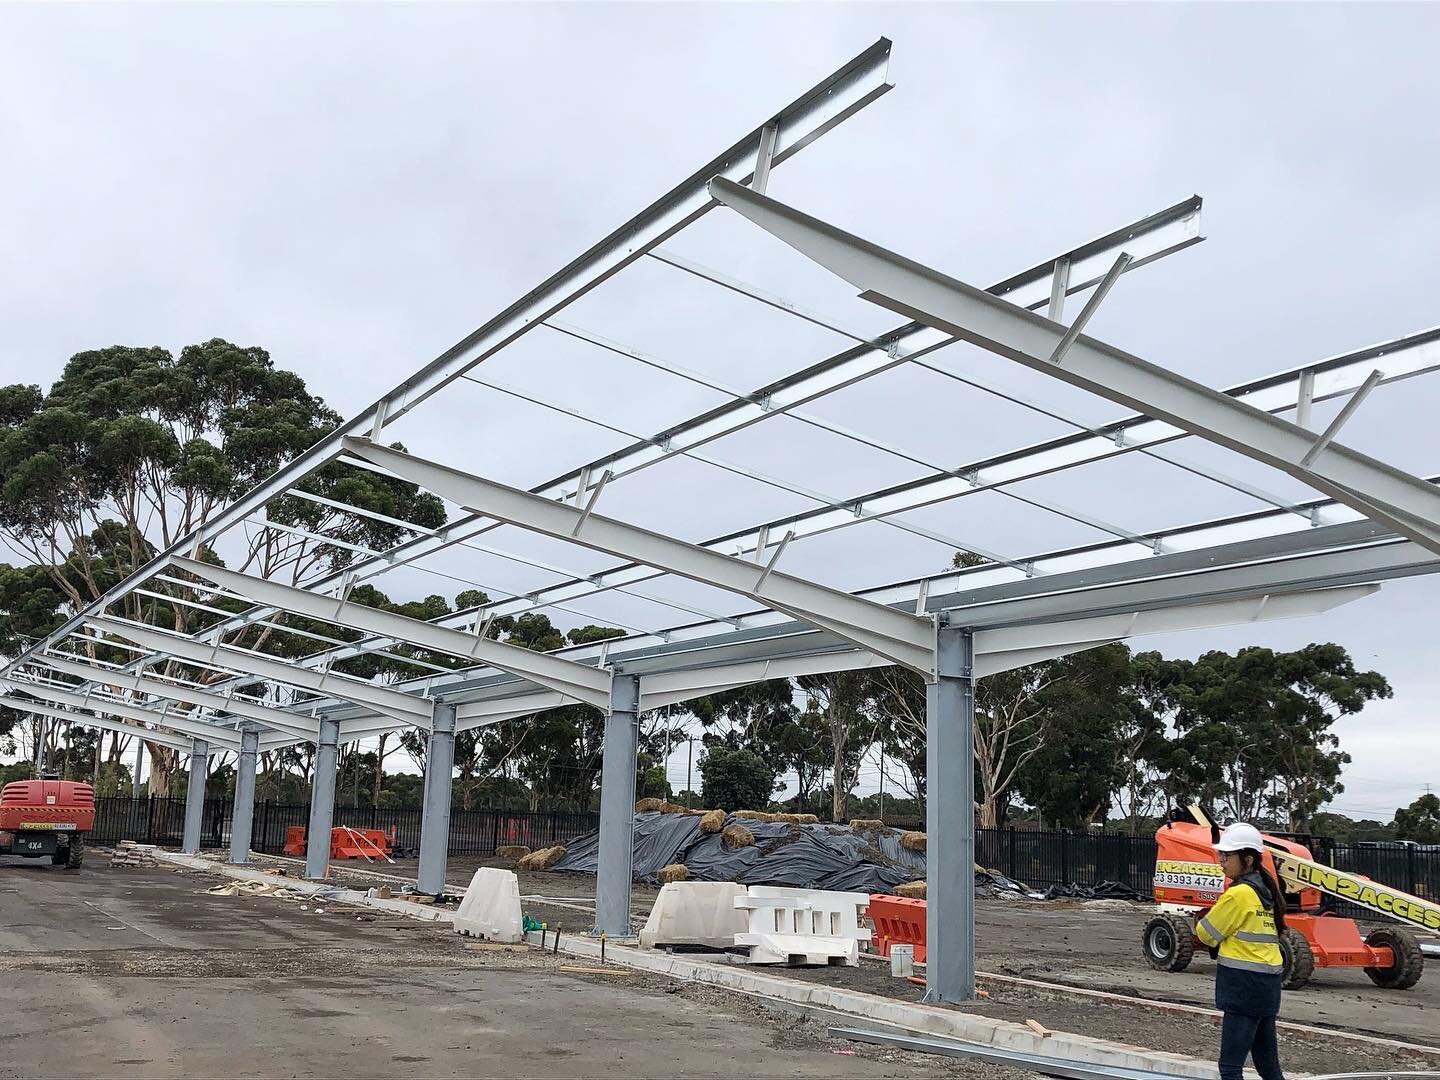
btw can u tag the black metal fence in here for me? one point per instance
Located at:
(161, 820)
(1040, 858)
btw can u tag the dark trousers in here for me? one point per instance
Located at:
(1244, 1036)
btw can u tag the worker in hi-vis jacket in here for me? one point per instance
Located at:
(1243, 932)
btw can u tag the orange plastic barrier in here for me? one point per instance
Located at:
(294, 840)
(345, 843)
(898, 921)
(348, 843)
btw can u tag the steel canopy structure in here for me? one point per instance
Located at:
(1282, 557)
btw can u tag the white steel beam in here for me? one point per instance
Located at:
(408, 708)
(160, 738)
(1149, 239)
(580, 681)
(825, 106)
(195, 726)
(293, 723)
(1404, 502)
(904, 639)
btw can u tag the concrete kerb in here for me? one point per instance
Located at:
(307, 888)
(922, 1019)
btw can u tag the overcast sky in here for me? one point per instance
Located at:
(356, 187)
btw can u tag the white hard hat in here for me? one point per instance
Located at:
(1240, 837)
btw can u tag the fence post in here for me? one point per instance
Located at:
(1064, 856)
(494, 831)
(1012, 863)
(1410, 882)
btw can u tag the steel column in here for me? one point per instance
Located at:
(243, 812)
(322, 801)
(617, 808)
(435, 817)
(950, 821)
(195, 797)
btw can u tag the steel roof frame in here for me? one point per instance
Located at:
(829, 103)
(1153, 237)
(1380, 491)
(1400, 359)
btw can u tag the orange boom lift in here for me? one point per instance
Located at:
(1188, 881)
(46, 817)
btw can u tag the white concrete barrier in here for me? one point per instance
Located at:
(695, 913)
(491, 906)
(803, 926)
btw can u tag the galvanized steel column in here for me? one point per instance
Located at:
(950, 821)
(617, 808)
(435, 817)
(243, 812)
(195, 796)
(322, 801)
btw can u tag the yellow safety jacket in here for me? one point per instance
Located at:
(1242, 925)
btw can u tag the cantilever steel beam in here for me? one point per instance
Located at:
(407, 708)
(820, 109)
(579, 681)
(203, 729)
(997, 650)
(160, 738)
(1383, 492)
(900, 637)
(293, 723)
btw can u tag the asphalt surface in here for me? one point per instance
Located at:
(139, 972)
(1092, 945)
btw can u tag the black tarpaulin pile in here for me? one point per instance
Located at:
(817, 856)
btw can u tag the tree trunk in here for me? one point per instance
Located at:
(162, 763)
(988, 812)
(380, 766)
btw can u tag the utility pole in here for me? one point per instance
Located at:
(689, 759)
(139, 761)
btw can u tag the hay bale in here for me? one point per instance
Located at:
(737, 836)
(511, 852)
(646, 805)
(914, 890)
(866, 823)
(673, 872)
(912, 841)
(542, 859)
(712, 821)
(805, 819)
(752, 815)
(675, 808)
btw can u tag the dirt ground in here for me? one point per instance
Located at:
(1096, 946)
(140, 972)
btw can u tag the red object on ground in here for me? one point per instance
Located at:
(348, 843)
(898, 920)
(345, 843)
(55, 805)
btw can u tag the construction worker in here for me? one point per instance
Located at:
(1243, 932)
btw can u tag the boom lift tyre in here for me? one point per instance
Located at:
(1299, 959)
(1169, 942)
(1404, 947)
